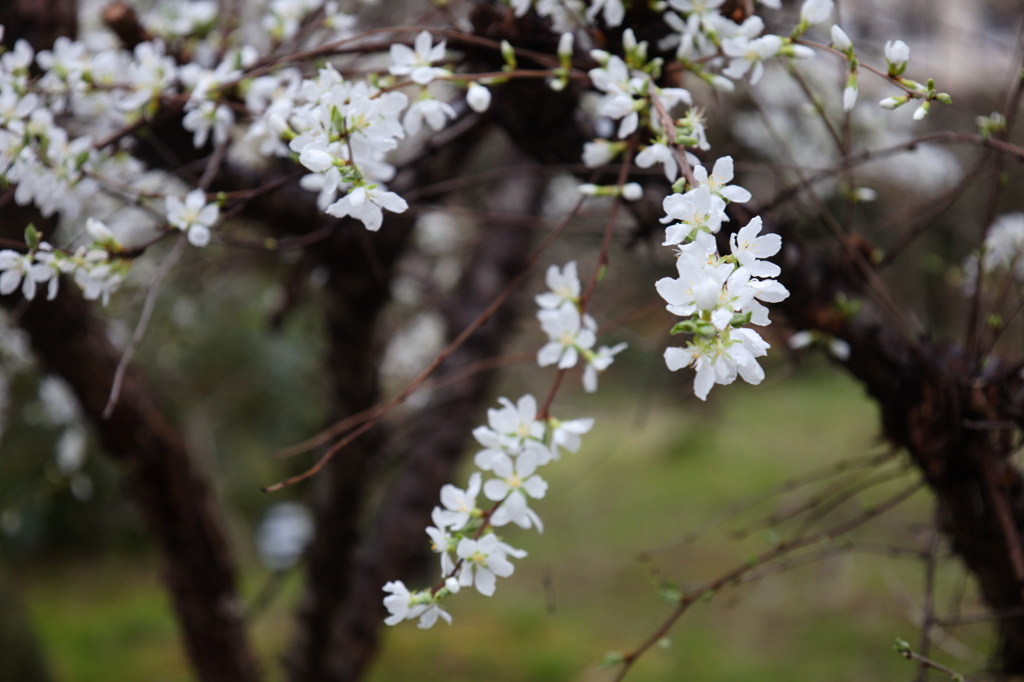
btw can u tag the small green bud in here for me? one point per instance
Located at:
(684, 327)
(337, 118)
(670, 592)
(508, 53)
(32, 237)
(611, 659)
(740, 320)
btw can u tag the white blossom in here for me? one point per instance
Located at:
(510, 431)
(483, 561)
(17, 268)
(366, 204)
(841, 41)
(748, 248)
(564, 285)
(478, 97)
(659, 153)
(718, 360)
(568, 332)
(432, 111)
(620, 88)
(416, 62)
(612, 11)
(459, 505)
(516, 478)
(749, 55)
(718, 182)
(194, 216)
(405, 605)
(815, 11)
(599, 152)
(897, 53)
(849, 97)
(699, 217)
(568, 434)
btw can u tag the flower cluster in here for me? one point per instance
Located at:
(710, 45)
(339, 130)
(718, 296)
(515, 444)
(571, 332)
(342, 131)
(97, 269)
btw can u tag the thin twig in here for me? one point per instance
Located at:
(928, 619)
(1013, 97)
(789, 485)
(907, 323)
(140, 327)
(781, 549)
(904, 650)
(436, 362)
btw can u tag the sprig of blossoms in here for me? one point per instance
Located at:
(341, 132)
(718, 296)
(97, 269)
(628, 85)
(515, 444)
(571, 332)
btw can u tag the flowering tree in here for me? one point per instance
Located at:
(317, 128)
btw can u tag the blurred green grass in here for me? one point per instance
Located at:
(615, 517)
